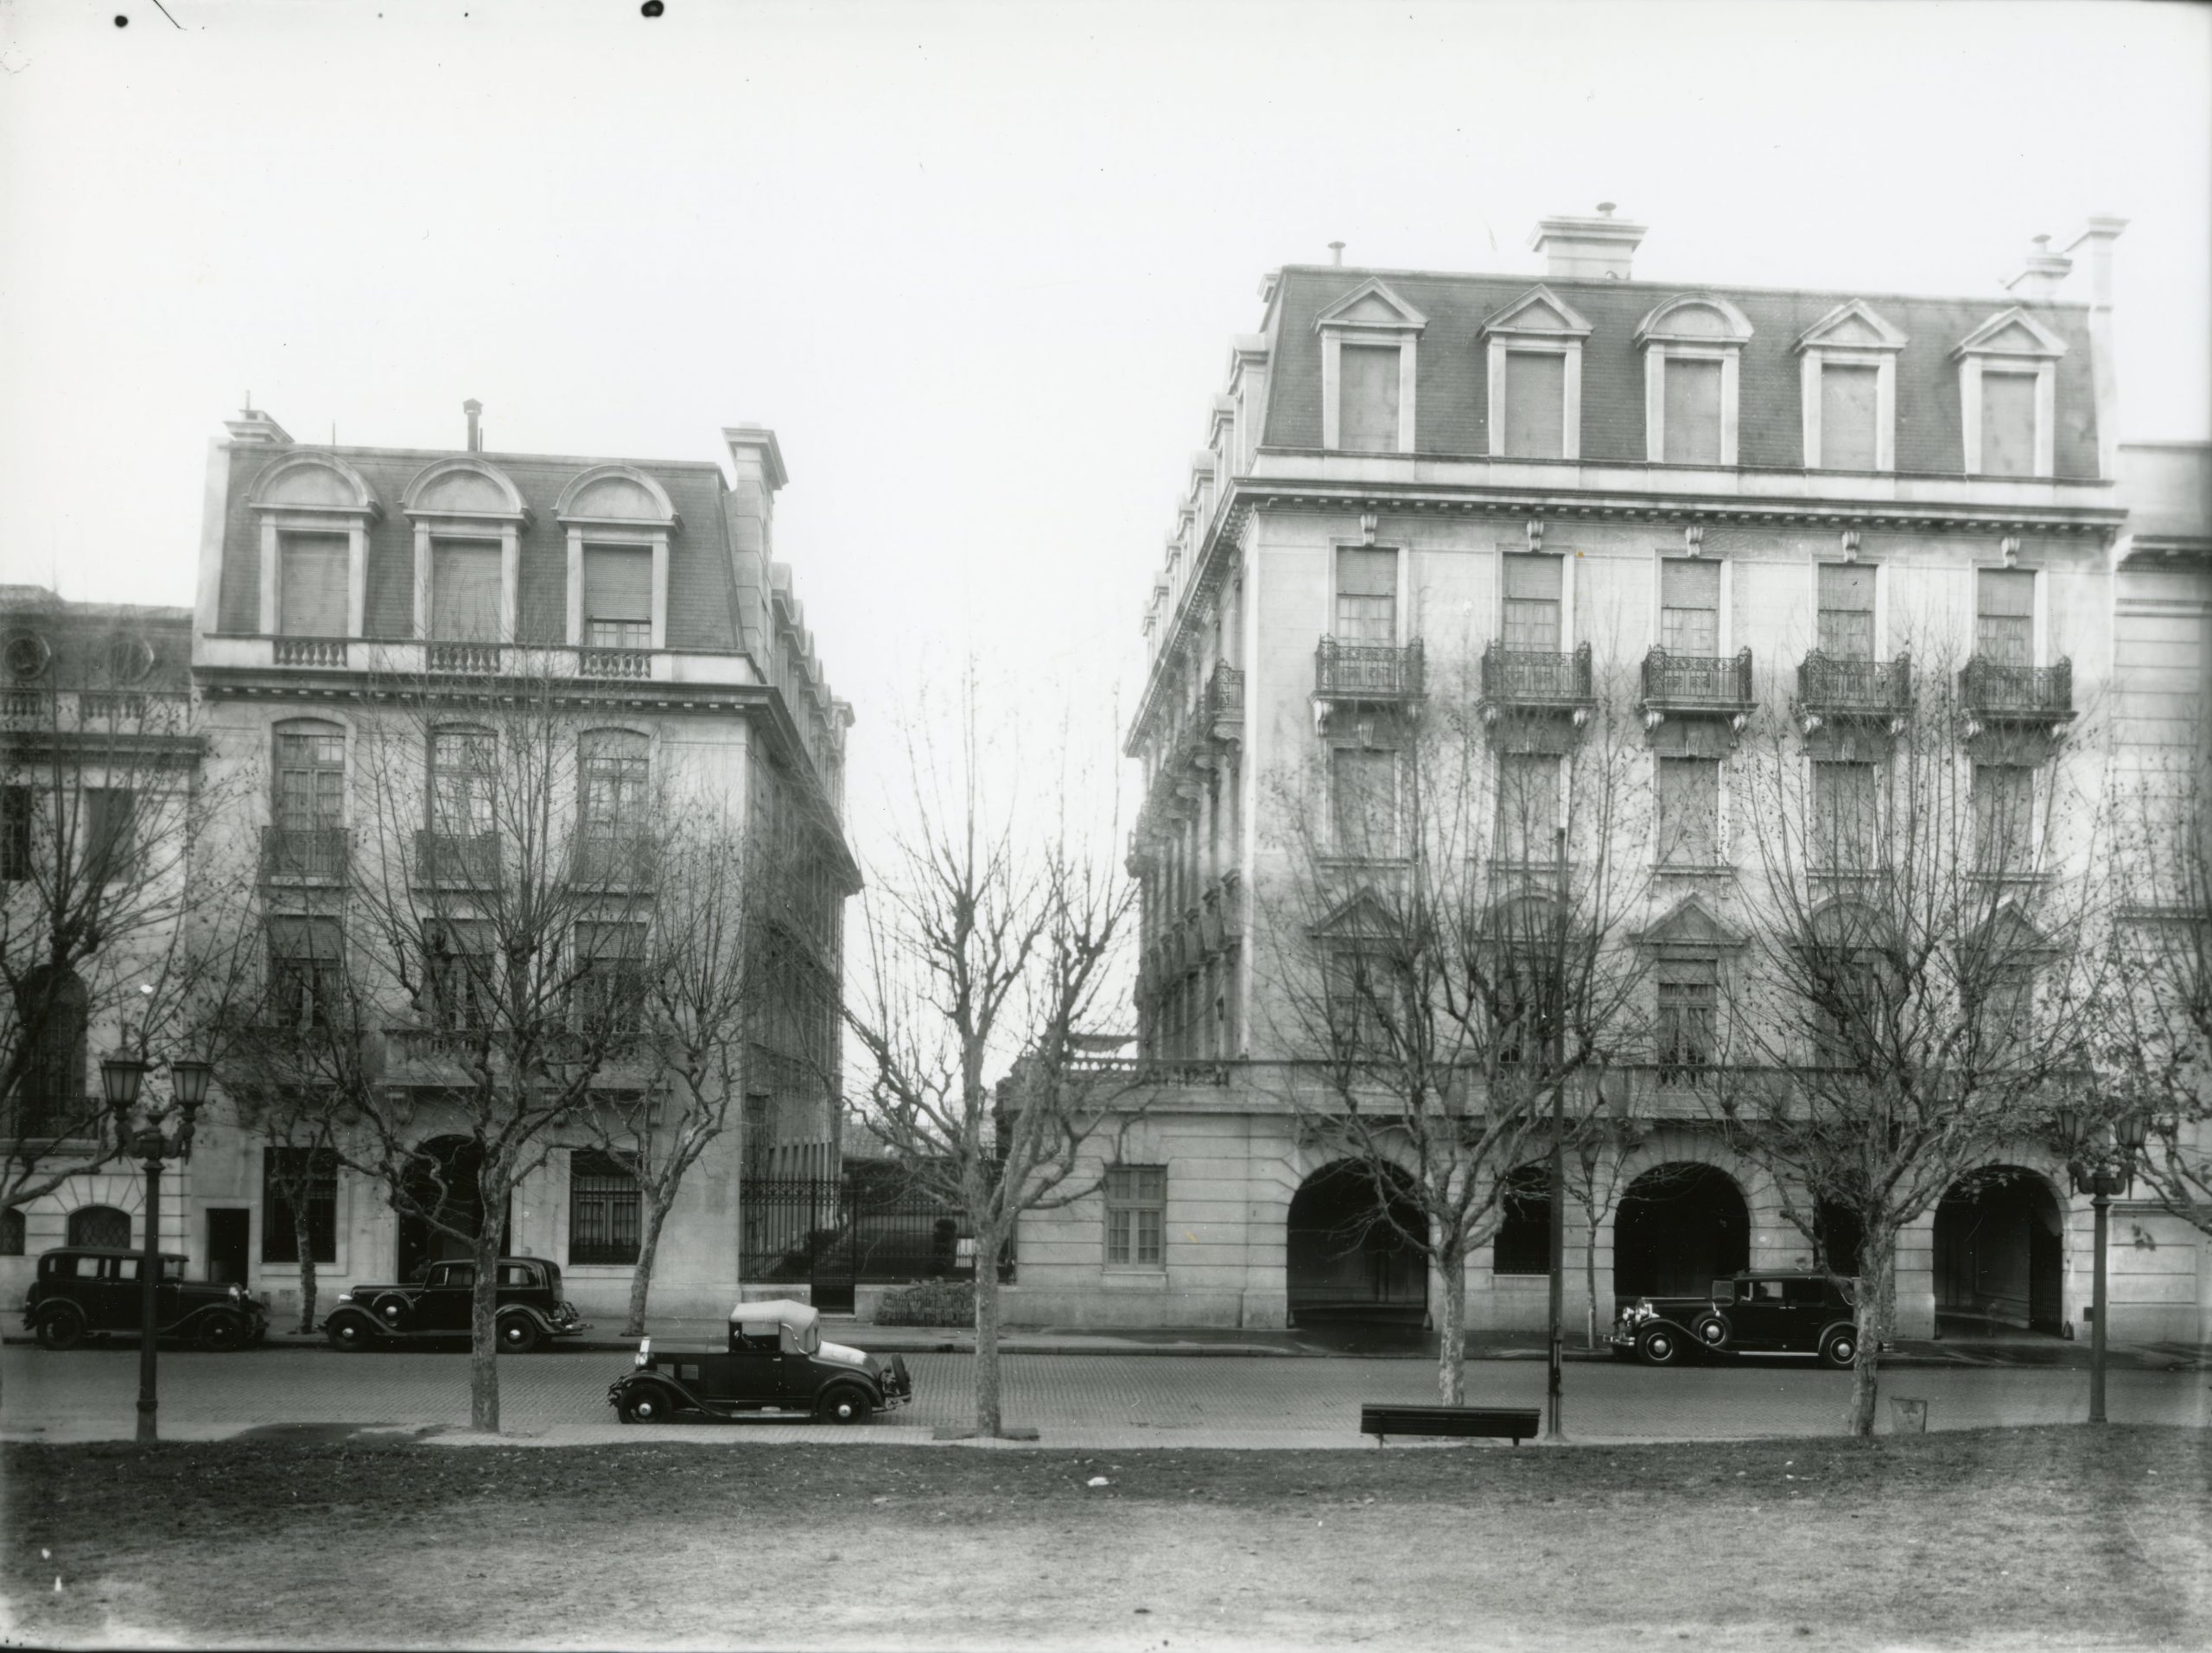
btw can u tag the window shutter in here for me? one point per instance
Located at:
(1847, 587)
(1532, 579)
(1366, 574)
(1848, 410)
(2007, 592)
(1536, 404)
(465, 583)
(2008, 423)
(311, 587)
(1367, 399)
(618, 584)
(1693, 412)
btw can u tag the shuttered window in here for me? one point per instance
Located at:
(1532, 603)
(2004, 820)
(1528, 806)
(618, 597)
(2004, 608)
(1848, 410)
(1846, 611)
(311, 579)
(1536, 404)
(1367, 399)
(1689, 606)
(465, 583)
(1844, 799)
(1367, 596)
(2008, 423)
(1689, 811)
(1693, 412)
(1364, 797)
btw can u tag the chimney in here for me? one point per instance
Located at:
(2097, 235)
(2041, 272)
(1335, 253)
(473, 408)
(1599, 247)
(253, 428)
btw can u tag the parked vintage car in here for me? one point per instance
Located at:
(775, 1361)
(84, 1289)
(1761, 1312)
(531, 1307)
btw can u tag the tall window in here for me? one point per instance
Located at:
(15, 832)
(1367, 399)
(13, 1233)
(2004, 623)
(1363, 801)
(52, 1007)
(618, 597)
(1844, 800)
(461, 965)
(2004, 819)
(462, 782)
(1847, 416)
(465, 587)
(1532, 603)
(306, 972)
(1846, 619)
(313, 1171)
(2008, 423)
(1367, 595)
(109, 827)
(1689, 811)
(1354, 986)
(312, 574)
(1689, 998)
(1693, 410)
(604, 1206)
(611, 992)
(1689, 606)
(611, 804)
(1536, 404)
(310, 778)
(1136, 1215)
(1523, 1245)
(1528, 806)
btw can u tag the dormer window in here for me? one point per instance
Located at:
(468, 518)
(1693, 347)
(1536, 378)
(314, 512)
(2008, 380)
(1849, 380)
(618, 521)
(1369, 341)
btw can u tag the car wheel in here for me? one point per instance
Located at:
(846, 1405)
(518, 1335)
(1659, 1349)
(1840, 1350)
(62, 1327)
(646, 1404)
(349, 1332)
(1713, 1332)
(222, 1331)
(392, 1311)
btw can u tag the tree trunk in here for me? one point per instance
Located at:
(1451, 1331)
(483, 1323)
(305, 1242)
(987, 1335)
(641, 1282)
(1877, 1261)
(1589, 1273)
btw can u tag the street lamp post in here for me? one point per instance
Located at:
(143, 1134)
(2103, 1161)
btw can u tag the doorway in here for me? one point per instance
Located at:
(1348, 1256)
(228, 1250)
(1999, 1254)
(1681, 1227)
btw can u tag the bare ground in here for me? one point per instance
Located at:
(2060, 1537)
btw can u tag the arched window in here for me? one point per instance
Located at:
(100, 1225)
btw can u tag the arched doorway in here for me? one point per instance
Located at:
(1681, 1227)
(442, 1180)
(100, 1225)
(2000, 1240)
(1345, 1259)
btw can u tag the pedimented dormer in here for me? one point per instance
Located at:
(1370, 347)
(1690, 927)
(2008, 396)
(1363, 916)
(1848, 374)
(1534, 375)
(1693, 347)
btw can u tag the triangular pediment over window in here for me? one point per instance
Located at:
(2011, 333)
(1372, 305)
(1538, 310)
(1853, 326)
(1690, 926)
(2012, 934)
(1362, 918)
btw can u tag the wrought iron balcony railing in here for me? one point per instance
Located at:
(309, 854)
(445, 861)
(1829, 685)
(1222, 710)
(1994, 689)
(1695, 683)
(1536, 680)
(1368, 671)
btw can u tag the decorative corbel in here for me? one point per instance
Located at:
(1367, 527)
(1653, 718)
(1850, 544)
(1535, 533)
(2009, 549)
(1694, 538)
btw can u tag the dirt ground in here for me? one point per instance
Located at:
(2004, 1538)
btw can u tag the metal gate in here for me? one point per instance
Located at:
(869, 1227)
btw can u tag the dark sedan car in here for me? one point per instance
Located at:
(85, 1289)
(775, 1360)
(1754, 1313)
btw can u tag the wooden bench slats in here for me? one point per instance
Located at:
(1514, 1423)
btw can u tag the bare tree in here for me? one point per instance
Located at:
(1918, 988)
(1451, 963)
(983, 943)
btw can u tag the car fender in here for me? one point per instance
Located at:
(531, 1310)
(668, 1383)
(1848, 1324)
(1691, 1344)
(351, 1312)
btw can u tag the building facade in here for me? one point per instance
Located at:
(1514, 490)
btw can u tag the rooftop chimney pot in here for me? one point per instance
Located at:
(473, 408)
(1605, 208)
(1597, 247)
(2041, 271)
(1335, 253)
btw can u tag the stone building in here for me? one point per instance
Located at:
(1509, 488)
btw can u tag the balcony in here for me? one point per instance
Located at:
(1829, 685)
(613, 863)
(1221, 709)
(41, 1118)
(1357, 673)
(465, 659)
(325, 651)
(305, 855)
(634, 664)
(1995, 692)
(1528, 680)
(443, 861)
(1698, 683)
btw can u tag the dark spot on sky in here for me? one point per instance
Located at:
(121, 21)
(651, 8)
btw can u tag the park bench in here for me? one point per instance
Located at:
(1512, 1423)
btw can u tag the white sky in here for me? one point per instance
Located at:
(978, 265)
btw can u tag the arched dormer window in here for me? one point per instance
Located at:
(1369, 370)
(1693, 345)
(468, 518)
(315, 511)
(1849, 374)
(2008, 394)
(619, 522)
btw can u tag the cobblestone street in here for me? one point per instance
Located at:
(1101, 1400)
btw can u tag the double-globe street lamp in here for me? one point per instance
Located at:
(150, 1133)
(2100, 1154)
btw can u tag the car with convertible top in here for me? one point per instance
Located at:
(774, 1360)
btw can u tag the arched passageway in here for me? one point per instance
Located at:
(1345, 1258)
(1679, 1228)
(442, 1181)
(2000, 1240)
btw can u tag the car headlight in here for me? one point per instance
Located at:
(238, 1293)
(345, 1297)
(643, 1356)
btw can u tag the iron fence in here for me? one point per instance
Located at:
(871, 1226)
